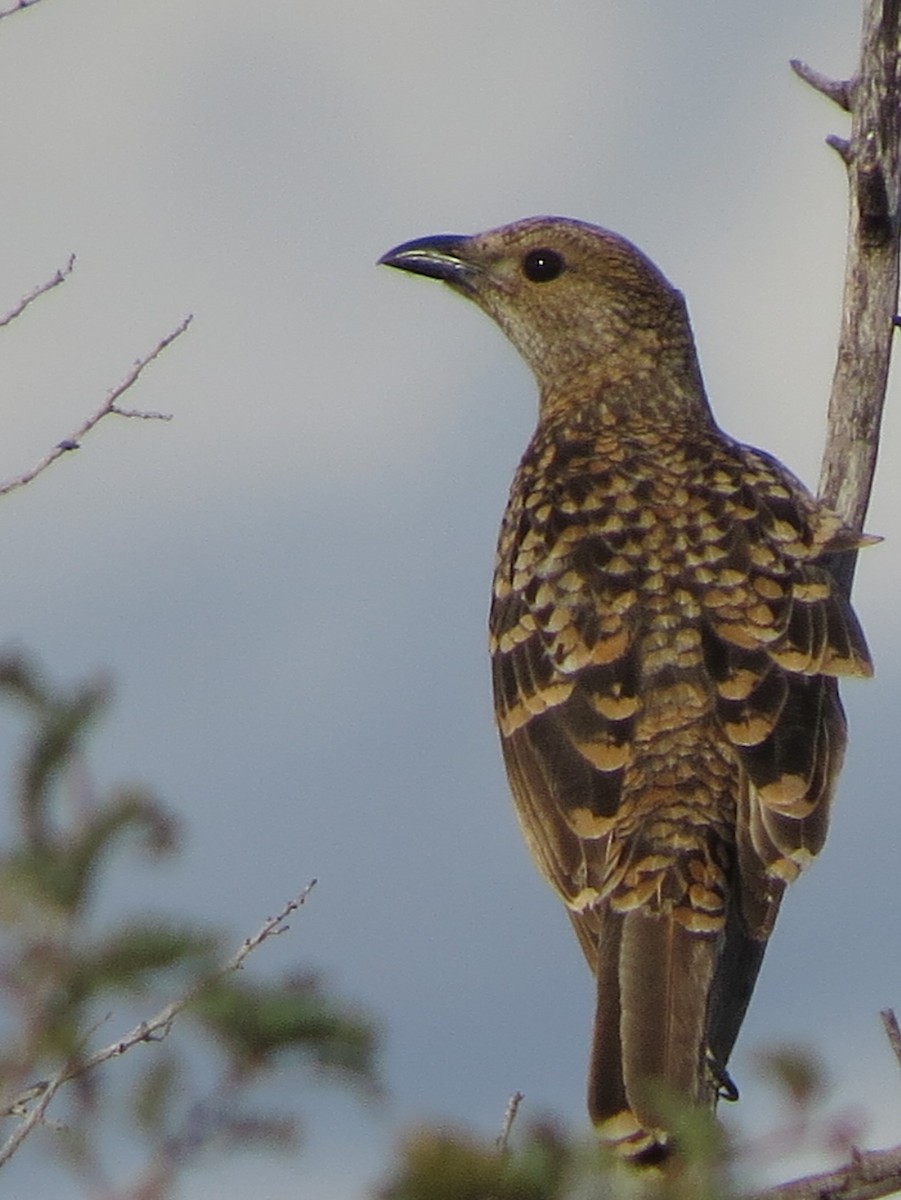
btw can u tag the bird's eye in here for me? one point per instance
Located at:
(542, 265)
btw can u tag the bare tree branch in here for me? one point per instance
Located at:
(892, 1032)
(61, 276)
(152, 1030)
(872, 1174)
(17, 7)
(509, 1117)
(108, 407)
(869, 318)
(870, 305)
(838, 90)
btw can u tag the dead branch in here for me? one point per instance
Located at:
(871, 1174)
(870, 302)
(512, 1109)
(17, 7)
(869, 317)
(107, 408)
(838, 90)
(152, 1030)
(61, 276)
(892, 1032)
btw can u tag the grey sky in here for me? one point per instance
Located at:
(289, 582)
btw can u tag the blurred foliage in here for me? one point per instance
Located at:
(259, 1021)
(442, 1165)
(541, 1162)
(62, 968)
(544, 1164)
(797, 1074)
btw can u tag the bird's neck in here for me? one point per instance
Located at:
(668, 397)
(631, 376)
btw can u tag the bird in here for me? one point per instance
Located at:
(666, 635)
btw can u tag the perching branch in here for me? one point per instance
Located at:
(871, 1174)
(152, 1030)
(61, 276)
(869, 319)
(870, 304)
(108, 407)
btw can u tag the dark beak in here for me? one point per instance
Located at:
(443, 256)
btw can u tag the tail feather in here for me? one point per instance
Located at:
(653, 982)
(606, 1085)
(736, 973)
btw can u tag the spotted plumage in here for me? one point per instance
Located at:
(665, 636)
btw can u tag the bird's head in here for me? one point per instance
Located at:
(586, 309)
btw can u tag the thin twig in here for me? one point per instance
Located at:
(838, 90)
(107, 408)
(152, 1030)
(36, 1116)
(509, 1117)
(17, 7)
(841, 146)
(892, 1031)
(61, 276)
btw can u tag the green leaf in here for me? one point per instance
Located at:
(256, 1022)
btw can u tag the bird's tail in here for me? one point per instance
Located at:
(654, 978)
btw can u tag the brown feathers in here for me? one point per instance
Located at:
(665, 635)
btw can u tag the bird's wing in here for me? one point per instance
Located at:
(563, 642)
(776, 631)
